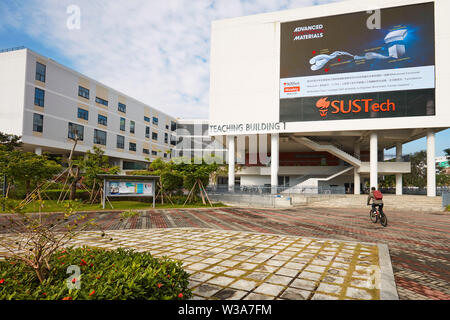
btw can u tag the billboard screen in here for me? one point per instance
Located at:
(359, 65)
(129, 188)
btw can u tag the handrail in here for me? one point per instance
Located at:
(335, 144)
(12, 49)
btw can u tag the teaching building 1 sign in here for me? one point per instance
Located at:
(336, 67)
(244, 128)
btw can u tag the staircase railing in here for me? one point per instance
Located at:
(335, 144)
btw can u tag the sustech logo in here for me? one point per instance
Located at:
(323, 106)
(353, 106)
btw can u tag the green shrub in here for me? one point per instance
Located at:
(105, 275)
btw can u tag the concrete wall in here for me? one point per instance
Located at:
(255, 180)
(12, 83)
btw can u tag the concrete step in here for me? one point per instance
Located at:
(406, 202)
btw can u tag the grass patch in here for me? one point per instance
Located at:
(53, 206)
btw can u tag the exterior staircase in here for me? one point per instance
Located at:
(318, 146)
(312, 181)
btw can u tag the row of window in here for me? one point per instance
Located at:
(103, 120)
(76, 131)
(84, 92)
(154, 121)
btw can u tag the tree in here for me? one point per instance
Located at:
(26, 168)
(9, 142)
(36, 239)
(196, 176)
(94, 163)
(170, 180)
(418, 175)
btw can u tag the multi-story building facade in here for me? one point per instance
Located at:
(49, 105)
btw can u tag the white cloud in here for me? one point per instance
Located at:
(155, 51)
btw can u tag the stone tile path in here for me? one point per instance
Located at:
(241, 265)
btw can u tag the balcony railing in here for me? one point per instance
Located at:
(12, 49)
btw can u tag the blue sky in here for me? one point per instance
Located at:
(155, 51)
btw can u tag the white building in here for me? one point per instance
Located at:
(47, 103)
(303, 98)
(331, 87)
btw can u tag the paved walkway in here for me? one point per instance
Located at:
(418, 242)
(254, 266)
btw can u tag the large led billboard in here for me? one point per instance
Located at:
(357, 66)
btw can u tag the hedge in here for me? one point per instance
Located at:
(55, 194)
(119, 274)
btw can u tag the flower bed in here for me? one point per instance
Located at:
(104, 275)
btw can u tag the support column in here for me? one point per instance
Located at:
(274, 161)
(121, 165)
(431, 164)
(399, 176)
(38, 151)
(373, 160)
(357, 176)
(231, 160)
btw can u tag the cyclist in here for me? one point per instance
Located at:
(377, 198)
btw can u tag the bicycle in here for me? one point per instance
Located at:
(375, 214)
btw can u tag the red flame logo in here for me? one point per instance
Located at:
(323, 106)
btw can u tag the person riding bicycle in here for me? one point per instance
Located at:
(377, 199)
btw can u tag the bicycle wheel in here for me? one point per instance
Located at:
(373, 216)
(383, 220)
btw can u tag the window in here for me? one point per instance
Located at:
(102, 120)
(155, 120)
(165, 155)
(83, 92)
(132, 146)
(154, 136)
(132, 126)
(40, 72)
(76, 130)
(101, 101)
(154, 153)
(83, 114)
(173, 126)
(120, 142)
(39, 97)
(166, 138)
(173, 140)
(167, 126)
(38, 122)
(100, 137)
(146, 119)
(145, 151)
(122, 124)
(147, 132)
(122, 108)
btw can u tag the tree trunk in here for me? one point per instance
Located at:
(27, 187)
(73, 186)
